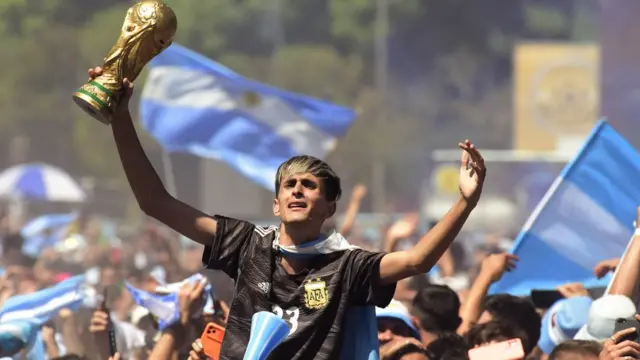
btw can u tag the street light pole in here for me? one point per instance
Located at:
(378, 168)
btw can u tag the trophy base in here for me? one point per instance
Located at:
(96, 101)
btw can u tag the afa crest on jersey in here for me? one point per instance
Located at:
(316, 295)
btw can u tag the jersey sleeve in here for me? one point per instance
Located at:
(228, 245)
(363, 279)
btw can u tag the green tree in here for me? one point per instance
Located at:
(449, 71)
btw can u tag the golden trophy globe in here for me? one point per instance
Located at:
(148, 29)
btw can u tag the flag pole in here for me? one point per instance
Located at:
(169, 178)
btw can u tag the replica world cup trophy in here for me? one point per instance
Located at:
(148, 29)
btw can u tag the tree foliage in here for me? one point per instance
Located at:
(449, 72)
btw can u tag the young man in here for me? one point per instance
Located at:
(310, 280)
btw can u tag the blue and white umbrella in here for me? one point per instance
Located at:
(41, 182)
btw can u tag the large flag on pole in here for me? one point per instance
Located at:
(195, 105)
(586, 216)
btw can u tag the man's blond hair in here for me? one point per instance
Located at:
(304, 164)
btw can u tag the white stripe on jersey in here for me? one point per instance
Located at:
(264, 231)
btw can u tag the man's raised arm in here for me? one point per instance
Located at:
(424, 255)
(152, 197)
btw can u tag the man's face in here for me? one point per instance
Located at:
(390, 329)
(300, 199)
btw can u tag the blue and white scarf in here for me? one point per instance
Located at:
(324, 244)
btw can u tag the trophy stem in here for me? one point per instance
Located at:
(95, 100)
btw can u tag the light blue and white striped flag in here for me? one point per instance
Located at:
(586, 216)
(195, 105)
(45, 231)
(26, 313)
(164, 306)
(40, 306)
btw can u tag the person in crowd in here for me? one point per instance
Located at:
(518, 311)
(496, 331)
(308, 278)
(395, 322)
(563, 321)
(576, 349)
(602, 315)
(403, 349)
(491, 270)
(435, 310)
(448, 346)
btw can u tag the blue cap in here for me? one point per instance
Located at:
(396, 310)
(563, 321)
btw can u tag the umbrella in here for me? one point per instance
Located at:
(41, 182)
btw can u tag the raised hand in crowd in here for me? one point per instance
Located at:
(620, 346)
(404, 227)
(98, 327)
(49, 339)
(69, 331)
(572, 290)
(197, 351)
(190, 300)
(472, 173)
(492, 269)
(606, 266)
(495, 265)
(359, 192)
(99, 322)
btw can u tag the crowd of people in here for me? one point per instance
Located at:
(427, 319)
(430, 317)
(331, 291)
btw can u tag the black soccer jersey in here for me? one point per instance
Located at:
(314, 302)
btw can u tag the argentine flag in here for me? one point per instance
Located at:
(586, 216)
(195, 105)
(40, 306)
(22, 316)
(164, 305)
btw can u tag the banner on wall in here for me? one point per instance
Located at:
(556, 95)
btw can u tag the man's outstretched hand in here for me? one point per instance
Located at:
(127, 89)
(472, 173)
